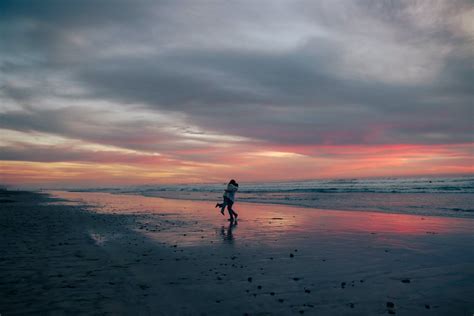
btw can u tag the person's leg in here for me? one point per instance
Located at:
(223, 205)
(223, 202)
(233, 212)
(229, 208)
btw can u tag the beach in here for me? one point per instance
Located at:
(111, 254)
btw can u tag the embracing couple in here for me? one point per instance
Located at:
(229, 196)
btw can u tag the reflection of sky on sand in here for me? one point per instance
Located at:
(189, 247)
(197, 223)
(227, 232)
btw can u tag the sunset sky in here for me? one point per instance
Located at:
(96, 93)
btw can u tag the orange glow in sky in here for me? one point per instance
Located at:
(246, 164)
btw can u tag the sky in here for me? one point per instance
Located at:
(97, 93)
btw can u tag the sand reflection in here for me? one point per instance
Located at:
(193, 223)
(227, 232)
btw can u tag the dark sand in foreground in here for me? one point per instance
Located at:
(117, 254)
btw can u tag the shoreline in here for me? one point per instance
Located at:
(128, 254)
(461, 214)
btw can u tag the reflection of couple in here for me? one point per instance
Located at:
(229, 196)
(227, 233)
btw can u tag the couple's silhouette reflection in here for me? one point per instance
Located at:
(226, 232)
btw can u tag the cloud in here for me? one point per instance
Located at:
(23, 152)
(200, 82)
(96, 126)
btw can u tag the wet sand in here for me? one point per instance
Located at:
(97, 253)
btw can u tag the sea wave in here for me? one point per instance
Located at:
(386, 185)
(421, 196)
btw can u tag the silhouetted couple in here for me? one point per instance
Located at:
(229, 197)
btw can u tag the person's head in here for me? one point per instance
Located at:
(233, 182)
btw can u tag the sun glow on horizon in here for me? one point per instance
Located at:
(257, 166)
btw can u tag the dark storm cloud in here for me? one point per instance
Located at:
(304, 73)
(38, 30)
(288, 100)
(47, 20)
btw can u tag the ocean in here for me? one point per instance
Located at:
(442, 196)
